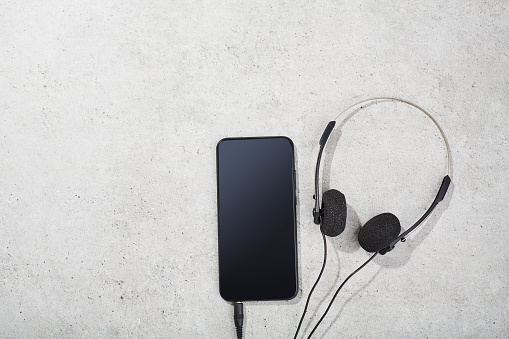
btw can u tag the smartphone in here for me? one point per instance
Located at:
(256, 201)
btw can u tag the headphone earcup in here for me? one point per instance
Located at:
(379, 232)
(333, 220)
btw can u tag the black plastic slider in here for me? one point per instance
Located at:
(443, 189)
(327, 132)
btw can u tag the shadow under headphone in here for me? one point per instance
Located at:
(382, 232)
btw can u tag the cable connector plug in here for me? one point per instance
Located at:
(238, 317)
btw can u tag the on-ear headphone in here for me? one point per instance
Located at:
(382, 232)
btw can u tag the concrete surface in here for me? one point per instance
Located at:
(110, 112)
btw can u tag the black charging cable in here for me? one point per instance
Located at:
(238, 317)
(316, 283)
(339, 289)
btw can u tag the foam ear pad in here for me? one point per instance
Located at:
(334, 213)
(379, 232)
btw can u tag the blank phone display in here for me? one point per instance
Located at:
(256, 215)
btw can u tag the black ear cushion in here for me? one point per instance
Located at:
(379, 232)
(334, 213)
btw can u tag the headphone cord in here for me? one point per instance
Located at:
(316, 282)
(335, 294)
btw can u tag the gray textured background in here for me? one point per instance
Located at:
(110, 112)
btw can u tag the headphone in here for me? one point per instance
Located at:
(382, 232)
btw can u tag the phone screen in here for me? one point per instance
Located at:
(256, 215)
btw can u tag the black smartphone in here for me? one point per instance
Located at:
(257, 220)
